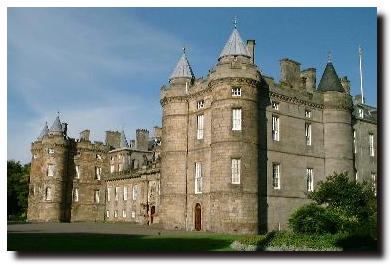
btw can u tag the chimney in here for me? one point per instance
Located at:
(310, 79)
(290, 73)
(85, 135)
(345, 84)
(251, 49)
(64, 127)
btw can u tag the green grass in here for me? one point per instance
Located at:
(88, 243)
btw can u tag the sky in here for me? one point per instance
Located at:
(102, 68)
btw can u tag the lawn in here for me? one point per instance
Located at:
(89, 243)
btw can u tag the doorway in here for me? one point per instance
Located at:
(152, 213)
(197, 217)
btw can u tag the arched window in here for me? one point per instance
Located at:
(48, 194)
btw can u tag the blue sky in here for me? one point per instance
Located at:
(102, 68)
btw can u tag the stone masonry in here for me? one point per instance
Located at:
(237, 152)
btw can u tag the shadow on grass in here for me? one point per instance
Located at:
(357, 243)
(109, 243)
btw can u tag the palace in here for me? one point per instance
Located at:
(237, 151)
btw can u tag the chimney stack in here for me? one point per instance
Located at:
(251, 49)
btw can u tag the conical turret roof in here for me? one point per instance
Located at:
(183, 68)
(44, 131)
(330, 80)
(56, 127)
(123, 143)
(234, 46)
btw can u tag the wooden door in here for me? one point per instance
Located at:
(197, 217)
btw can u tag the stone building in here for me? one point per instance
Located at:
(237, 151)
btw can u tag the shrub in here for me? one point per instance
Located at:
(314, 219)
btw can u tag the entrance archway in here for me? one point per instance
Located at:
(197, 217)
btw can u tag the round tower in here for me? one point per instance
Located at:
(174, 146)
(49, 176)
(337, 114)
(235, 85)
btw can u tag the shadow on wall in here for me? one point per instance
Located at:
(264, 101)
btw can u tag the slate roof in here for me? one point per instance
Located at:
(44, 131)
(183, 68)
(56, 127)
(330, 80)
(234, 46)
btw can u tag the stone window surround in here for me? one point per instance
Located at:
(236, 119)
(235, 170)
(198, 178)
(310, 179)
(276, 178)
(308, 134)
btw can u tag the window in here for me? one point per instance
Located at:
(123, 213)
(120, 167)
(310, 179)
(371, 148)
(308, 134)
(98, 172)
(48, 194)
(98, 157)
(112, 159)
(35, 156)
(133, 214)
(275, 105)
(374, 182)
(237, 119)
(307, 114)
(51, 169)
(235, 169)
(200, 104)
(276, 176)
(198, 177)
(96, 196)
(51, 151)
(76, 195)
(354, 142)
(236, 91)
(125, 193)
(134, 193)
(360, 113)
(356, 176)
(77, 168)
(115, 213)
(112, 168)
(108, 194)
(200, 126)
(276, 128)
(107, 213)
(116, 191)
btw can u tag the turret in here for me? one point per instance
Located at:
(49, 184)
(235, 88)
(337, 115)
(174, 145)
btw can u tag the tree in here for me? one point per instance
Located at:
(340, 204)
(17, 188)
(354, 202)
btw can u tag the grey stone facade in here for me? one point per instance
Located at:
(237, 151)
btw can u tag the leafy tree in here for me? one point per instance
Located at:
(339, 205)
(314, 219)
(17, 189)
(354, 202)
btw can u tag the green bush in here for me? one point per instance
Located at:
(314, 219)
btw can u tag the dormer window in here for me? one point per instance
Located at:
(236, 91)
(200, 104)
(275, 105)
(51, 151)
(361, 113)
